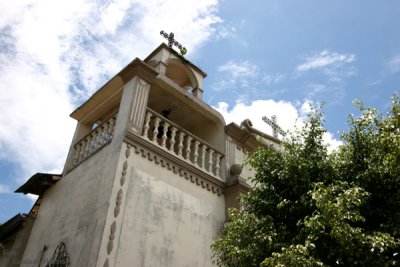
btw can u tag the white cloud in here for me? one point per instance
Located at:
(236, 74)
(31, 197)
(316, 89)
(239, 69)
(306, 108)
(334, 65)
(330, 93)
(54, 54)
(324, 59)
(243, 74)
(4, 189)
(226, 31)
(288, 115)
(331, 141)
(394, 64)
(273, 78)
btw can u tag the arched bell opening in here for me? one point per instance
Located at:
(181, 75)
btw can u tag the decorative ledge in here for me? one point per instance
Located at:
(94, 141)
(181, 143)
(184, 168)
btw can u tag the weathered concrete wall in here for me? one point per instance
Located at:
(168, 220)
(8, 256)
(74, 211)
(11, 251)
(247, 172)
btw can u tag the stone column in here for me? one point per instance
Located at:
(133, 107)
(235, 186)
(229, 153)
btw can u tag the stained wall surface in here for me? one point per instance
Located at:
(168, 220)
(73, 211)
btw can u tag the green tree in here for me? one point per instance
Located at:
(312, 208)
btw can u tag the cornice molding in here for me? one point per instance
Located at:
(171, 50)
(175, 164)
(247, 136)
(135, 68)
(238, 185)
(138, 68)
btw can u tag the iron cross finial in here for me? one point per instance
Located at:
(274, 125)
(172, 41)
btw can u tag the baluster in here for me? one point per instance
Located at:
(105, 126)
(146, 125)
(86, 148)
(164, 136)
(155, 132)
(99, 133)
(110, 129)
(188, 143)
(82, 153)
(180, 145)
(172, 142)
(91, 138)
(112, 126)
(217, 164)
(196, 152)
(107, 130)
(104, 131)
(78, 148)
(210, 160)
(100, 138)
(94, 141)
(203, 156)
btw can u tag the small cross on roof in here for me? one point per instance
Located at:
(274, 125)
(172, 41)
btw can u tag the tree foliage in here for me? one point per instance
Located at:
(312, 208)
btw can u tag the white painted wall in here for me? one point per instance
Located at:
(168, 220)
(247, 171)
(74, 211)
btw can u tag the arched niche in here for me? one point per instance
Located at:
(181, 74)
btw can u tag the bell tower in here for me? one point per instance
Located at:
(150, 172)
(144, 179)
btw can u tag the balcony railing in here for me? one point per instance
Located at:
(179, 142)
(93, 141)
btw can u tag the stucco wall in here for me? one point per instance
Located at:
(74, 211)
(247, 171)
(168, 220)
(11, 251)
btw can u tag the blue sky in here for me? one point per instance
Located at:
(262, 58)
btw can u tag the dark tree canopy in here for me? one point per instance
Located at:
(312, 208)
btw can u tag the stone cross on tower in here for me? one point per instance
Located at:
(172, 41)
(275, 127)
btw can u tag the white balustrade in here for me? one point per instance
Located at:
(93, 141)
(155, 132)
(172, 140)
(146, 125)
(179, 142)
(180, 145)
(196, 151)
(210, 159)
(188, 144)
(203, 156)
(164, 136)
